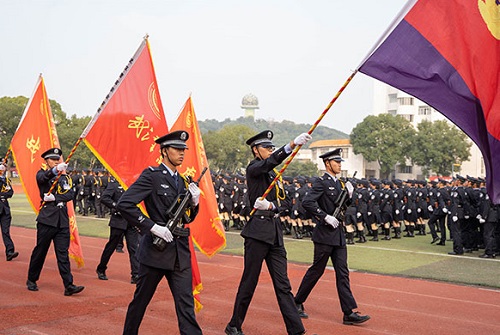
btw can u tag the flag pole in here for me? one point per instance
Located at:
(313, 127)
(7, 154)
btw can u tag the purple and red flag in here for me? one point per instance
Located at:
(447, 54)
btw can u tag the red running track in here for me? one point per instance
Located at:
(396, 305)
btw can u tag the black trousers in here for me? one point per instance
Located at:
(115, 237)
(180, 283)
(44, 236)
(256, 252)
(338, 255)
(5, 220)
(489, 237)
(441, 220)
(456, 233)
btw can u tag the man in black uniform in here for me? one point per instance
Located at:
(6, 192)
(118, 227)
(329, 239)
(53, 222)
(263, 234)
(160, 187)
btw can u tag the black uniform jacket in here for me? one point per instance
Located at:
(259, 175)
(109, 198)
(6, 192)
(320, 202)
(54, 213)
(157, 188)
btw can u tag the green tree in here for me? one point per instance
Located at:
(385, 139)
(11, 110)
(439, 145)
(299, 168)
(226, 148)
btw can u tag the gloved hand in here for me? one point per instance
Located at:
(162, 232)
(369, 213)
(48, 197)
(408, 211)
(262, 204)
(61, 167)
(350, 188)
(454, 218)
(396, 211)
(332, 221)
(430, 208)
(302, 139)
(482, 220)
(358, 214)
(195, 193)
(478, 216)
(466, 217)
(445, 210)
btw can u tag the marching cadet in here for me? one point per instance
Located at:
(459, 209)
(422, 202)
(410, 210)
(159, 188)
(374, 209)
(386, 208)
(263, 234)
(439, 204)
(398, 204)
(6, 192)
(322, 202)
(226, 201)
(350, 216)
(362, 206)
(52, 222)
(489, 217)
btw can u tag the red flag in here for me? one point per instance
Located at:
(206, 229)
(446, 53)
(35, 134)
(122, 133)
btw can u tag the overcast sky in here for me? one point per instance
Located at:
(293, 55)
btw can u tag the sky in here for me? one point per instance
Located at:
(293, 55)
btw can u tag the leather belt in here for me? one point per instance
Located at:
(269, 214)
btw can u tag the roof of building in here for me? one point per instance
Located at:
(330, 143)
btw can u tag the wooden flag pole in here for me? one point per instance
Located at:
(313, 127)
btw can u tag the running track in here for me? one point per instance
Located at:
(396, 305)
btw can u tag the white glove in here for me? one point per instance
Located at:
(195, 193)
(369, 213)
(396, 211)
(332, 221)
(358, 214)
(454, 218)
(302, 139)
(408, 211)
(262, 204)
(445, 210)
(61, 167)
(478, 216)
(418, 210)
(162, 232)
(350, 188)
(48, 197)
(482, 220)
(466, 217)
(430, 208)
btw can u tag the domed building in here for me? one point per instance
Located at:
(250, 103)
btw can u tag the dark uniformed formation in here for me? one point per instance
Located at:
(6, 192)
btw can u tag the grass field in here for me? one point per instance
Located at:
(411, 257)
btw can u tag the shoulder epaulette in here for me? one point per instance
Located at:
(152, 168)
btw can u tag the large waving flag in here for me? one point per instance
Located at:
(122, 133)
(206, 229)
(447, 53)
(35, 134)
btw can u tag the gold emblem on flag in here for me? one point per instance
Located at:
(153, 100)
(33, 146)
(490, 11)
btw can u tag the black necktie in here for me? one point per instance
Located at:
(176, 179)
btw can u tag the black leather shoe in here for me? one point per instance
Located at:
(440, 243)
(455, 253)
(469, 251)
(133, 279)
(435, 239)
(31, 285)
(73, 289)
(301, 310)
(101, 275)
(355, 318)
(232, 331)
(119, 250)
(12, 255)
(486, 256)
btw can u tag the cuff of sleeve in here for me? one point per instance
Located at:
(288, 148)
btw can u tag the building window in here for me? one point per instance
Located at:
(393, 98)
(424, 110)
(392, 111)
(406, 101)
(405, 169)
(409, 117)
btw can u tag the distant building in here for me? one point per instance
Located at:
(249, 104)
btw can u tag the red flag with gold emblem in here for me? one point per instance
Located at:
(35, 134)
(122, 133)
(207, 230)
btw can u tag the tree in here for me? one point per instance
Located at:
(299, 168)
(226, 148)
(385, 139)
(438, 146)
(11, 110)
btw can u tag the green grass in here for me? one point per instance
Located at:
(409, 257)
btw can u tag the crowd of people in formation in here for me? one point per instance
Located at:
(384, 210)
